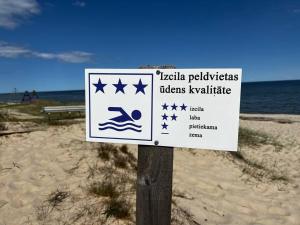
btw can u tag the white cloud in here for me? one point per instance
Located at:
(79, 3)
(12, 51)
(13, 12)
(43, 55)
(75, 57)
(71, 57)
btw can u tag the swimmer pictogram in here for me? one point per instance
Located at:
(120, 106)
(122, 122)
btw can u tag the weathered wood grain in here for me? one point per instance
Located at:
(154, 185)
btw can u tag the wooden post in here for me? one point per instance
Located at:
(154, 185)
(154, 182)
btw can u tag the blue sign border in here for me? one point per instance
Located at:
(90, 132)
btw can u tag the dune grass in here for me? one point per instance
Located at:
(104, 188)
(181, 216)
(119, 156)
(118, 183)
(253, 138)
(3, 127)
(34, 108)
(57, 197)
(119, 208)
(105, 151)
(109, 194)
(4, 117)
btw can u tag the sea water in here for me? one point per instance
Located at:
(256, 97)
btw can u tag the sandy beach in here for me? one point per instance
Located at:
(172, 89)
(260, 185)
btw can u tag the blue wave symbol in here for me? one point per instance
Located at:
(122, 129)
(120, 126)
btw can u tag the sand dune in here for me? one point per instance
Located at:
(215, 187)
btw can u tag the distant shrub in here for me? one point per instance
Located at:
(4, 117)
(3, 127)
(59, 122)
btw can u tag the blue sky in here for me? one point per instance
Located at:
(45, 45)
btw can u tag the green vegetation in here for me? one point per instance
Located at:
(61, 122)
(4, 117)
(117, 181)
(257, 169)
(252, 138)
(261, 173)
(240, 156)
(34, 110)
(109, 195)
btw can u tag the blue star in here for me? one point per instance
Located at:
(165, 106)
(174, 117)
(99, 86)
(183, 107)
(174, 107)
(165, 117)
(120, 87)
(164, 126)
(140, 87)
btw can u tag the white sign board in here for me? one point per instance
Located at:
(194, 108)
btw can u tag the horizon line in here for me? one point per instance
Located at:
(243, 82)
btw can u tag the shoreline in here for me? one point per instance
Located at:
(279, 118)
(250, 114)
